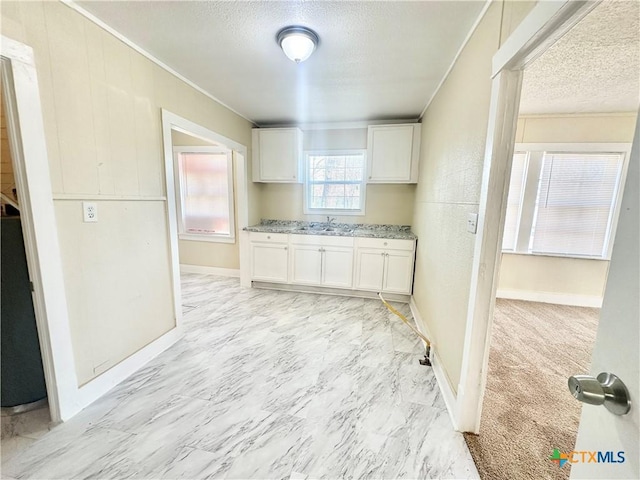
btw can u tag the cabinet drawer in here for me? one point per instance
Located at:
(268, 237)
(385, 243)
(324, 240)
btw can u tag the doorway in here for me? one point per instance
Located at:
(573, 136)
(25, 413)
(207, 201)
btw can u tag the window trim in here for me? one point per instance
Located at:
(536, 153)
(335, 211)
(204, 237)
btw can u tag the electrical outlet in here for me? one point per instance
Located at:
(89, 212)
(472, 223)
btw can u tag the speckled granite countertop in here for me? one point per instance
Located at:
(402, 232)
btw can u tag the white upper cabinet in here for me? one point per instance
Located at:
(277, 155)
(393, 153)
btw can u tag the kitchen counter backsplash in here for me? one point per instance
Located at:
(300, 227)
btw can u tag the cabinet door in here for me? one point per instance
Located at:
(369, 269)
(337, 267)
(392, 153)
(306, 261)
(279, 154)
(269, 262)
(398, 272)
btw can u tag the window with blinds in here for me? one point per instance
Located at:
(568, 205)
(514, 200)
(575, 203)
(206, 193)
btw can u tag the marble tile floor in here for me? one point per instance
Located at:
(265, 384)
(21, 430)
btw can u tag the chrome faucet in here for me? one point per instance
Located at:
(330, 220)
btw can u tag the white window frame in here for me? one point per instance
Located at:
(335, 211)
(204, 237)
(536, 153)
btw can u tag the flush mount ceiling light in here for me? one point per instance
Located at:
(297, 43)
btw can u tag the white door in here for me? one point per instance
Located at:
(337, 267)
(269, 262)
(617, 345)
(306, 264)
(398, 272)
(369, 269)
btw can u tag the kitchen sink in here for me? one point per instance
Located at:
(324, 229)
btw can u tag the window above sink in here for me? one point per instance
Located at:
(334, 183)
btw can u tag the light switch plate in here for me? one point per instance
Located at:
(472, 223)
(89, 212)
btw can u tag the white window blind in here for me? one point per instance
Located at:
(206, 195)
(575, 203)
(335, 181)
(514, 200)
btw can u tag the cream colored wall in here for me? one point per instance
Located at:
(553, 275)
(101, 106)
(179, 139)
(391, 204)
(454, 131)
(574, 278)
(582, 128)
(208, 254)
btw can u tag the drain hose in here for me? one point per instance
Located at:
(404, 319)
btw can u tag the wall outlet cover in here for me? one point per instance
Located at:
(472, 223)
(89, 212)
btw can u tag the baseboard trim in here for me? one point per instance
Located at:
(91, 391)
(222, 272)
(549, 297)
(441, 377)
(343, 292)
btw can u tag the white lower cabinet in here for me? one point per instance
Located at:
(370, 264)
(306, 264)
(337, 267)
(269, 257)
(369, 269)
(398, 273)
(322, 261)
(384, 265)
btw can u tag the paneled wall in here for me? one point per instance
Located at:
(101, 102)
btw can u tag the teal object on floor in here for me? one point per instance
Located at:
(21, 362)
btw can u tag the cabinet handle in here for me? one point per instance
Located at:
(268, 237)
(387, 254)
(286, 248)
(382, 254)
(385, 244)
(320, 250)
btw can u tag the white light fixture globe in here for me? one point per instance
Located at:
(297, 43)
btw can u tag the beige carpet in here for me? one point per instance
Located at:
(528, 410)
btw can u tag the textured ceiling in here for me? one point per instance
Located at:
(376, 60)
(593, 68)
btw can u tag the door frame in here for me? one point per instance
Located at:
(546, 23)
(33, 180)
(26, 134)
(239, 158)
